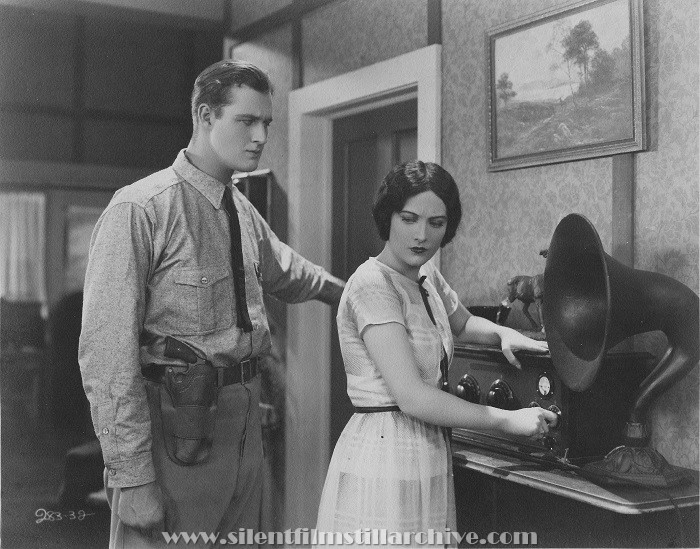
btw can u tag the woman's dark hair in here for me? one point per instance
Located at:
(213, 83)
(412, 178)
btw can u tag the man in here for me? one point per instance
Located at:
(173, 323)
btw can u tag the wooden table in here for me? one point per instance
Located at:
(498, 493)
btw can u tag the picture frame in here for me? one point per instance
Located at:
(567, 84)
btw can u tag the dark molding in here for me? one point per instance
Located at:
(226, 21)
(290, 13)
(105, 11)
(78, 91)
(42, 176)
(434, 22)
(82, 114)
(623, 182)
(297, 56)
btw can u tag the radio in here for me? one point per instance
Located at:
(591, 422)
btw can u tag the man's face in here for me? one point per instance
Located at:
(238, 135)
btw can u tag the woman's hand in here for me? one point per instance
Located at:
(481, 330)
(530, 422)
(512, 340)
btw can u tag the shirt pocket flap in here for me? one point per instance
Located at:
(202, 277)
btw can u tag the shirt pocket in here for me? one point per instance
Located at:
(204, 298)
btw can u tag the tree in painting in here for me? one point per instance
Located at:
(580, 46)
(577, 89)
(504, 88)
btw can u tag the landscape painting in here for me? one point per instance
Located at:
(566, 85)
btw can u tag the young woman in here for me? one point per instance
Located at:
(392, 467)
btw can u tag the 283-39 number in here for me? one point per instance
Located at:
(54, 516)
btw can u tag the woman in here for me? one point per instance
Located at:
(391, 468)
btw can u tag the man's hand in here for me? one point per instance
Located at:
(141, 508)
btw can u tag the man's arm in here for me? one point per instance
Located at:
(289, 276)
(113, 313)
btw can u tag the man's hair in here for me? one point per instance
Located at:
(412, 178)
(213, 83)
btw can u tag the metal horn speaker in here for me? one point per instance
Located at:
(592, 302)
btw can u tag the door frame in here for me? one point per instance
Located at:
(312, 110)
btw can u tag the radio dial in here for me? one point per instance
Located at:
(545, 385)
(501, 396)
(557, 411)
(468, 389)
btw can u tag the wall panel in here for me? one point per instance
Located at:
(350, 34)
(37, 64)
(135, 69)
(273, 53)
(25, 136)
(666, 208)
(132, 143)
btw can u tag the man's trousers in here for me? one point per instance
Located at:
(220, 496)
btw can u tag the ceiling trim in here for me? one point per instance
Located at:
(106, 11)
(291, 12)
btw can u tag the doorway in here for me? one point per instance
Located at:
(312, 112)
(365, 147)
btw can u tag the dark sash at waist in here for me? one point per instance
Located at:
(372, 409)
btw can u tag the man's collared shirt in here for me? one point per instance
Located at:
(160, 265)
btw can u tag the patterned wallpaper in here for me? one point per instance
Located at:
(271, 53)
(350, 34)
(666, 213)
(510, 216)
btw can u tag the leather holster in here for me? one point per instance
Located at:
(188, 404)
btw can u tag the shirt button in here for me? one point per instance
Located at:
(112, 472)
(105, 431)
(204, 280)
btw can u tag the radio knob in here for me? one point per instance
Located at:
(501, 396)
(557, 411)
(468, 389)
(550, 443)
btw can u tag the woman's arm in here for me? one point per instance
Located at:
(485, 332)
(389, 348)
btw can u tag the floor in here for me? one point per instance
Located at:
(33, 456)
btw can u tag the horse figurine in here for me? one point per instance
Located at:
(529, 290)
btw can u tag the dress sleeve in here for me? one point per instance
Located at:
(373, 300)
(447, 294)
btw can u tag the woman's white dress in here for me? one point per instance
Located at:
(389, 470)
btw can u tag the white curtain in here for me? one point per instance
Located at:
(22, 246)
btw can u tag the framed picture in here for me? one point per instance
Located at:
(567, 84)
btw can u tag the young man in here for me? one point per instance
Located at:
(173, 323)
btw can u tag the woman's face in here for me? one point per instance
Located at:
(416, 232)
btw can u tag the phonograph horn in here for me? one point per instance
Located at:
(592, 302)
